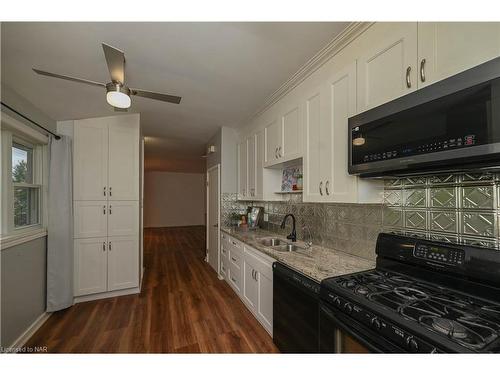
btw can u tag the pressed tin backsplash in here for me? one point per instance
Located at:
(457, 208)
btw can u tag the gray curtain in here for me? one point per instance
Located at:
(60, 227)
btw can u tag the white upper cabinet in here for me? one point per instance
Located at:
(251, 165)
(387, 68)
(242, 170)
(317, 158)
(123, 179)
(90, 154)
(123, 263)
(447, 48)
(342, 187)
(259, 164)
(292, 140)
(274, 141)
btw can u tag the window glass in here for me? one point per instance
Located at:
(22, 164)
(26, 206)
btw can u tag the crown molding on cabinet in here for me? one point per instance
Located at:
(350, 33)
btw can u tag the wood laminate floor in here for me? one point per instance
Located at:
(183, 308)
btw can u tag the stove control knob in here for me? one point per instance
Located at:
(337, 301)
(412, 344)
(348, 308)
(375, 323)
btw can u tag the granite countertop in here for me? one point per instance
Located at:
(316, 262)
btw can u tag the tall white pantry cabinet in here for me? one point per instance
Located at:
(106, 176)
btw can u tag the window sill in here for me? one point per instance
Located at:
(22, 237)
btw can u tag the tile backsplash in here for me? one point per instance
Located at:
(352, 228)
(457, 208)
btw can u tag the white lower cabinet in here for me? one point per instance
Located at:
(249, 272)
(123, 263)
(105, 264)
(90, 266)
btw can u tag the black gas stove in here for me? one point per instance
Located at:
(423, 297)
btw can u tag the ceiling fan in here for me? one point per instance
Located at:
(117, 94)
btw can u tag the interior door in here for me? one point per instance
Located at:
(213, 217)
(123, 262)
(123, 180)
(447, 48)
(90, 154)
(90, 266)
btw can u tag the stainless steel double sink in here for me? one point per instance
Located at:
(279, 245)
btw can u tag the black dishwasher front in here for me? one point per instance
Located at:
(295, 311)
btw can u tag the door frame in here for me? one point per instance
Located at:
(207, 254)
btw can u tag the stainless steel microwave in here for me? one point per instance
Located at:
(452, 125)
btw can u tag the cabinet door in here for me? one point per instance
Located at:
(292, 140)
(265, 305)
(342, 187)
(123, 218)
(251, 163)
(318, 147)
(123, 262)
(447, 48)
(90, 219)
(123, 180)
(259, 161)
(273, 133)
(242, 170)
(90, 266)
(387, 69)
(250, 286)
(90, 159)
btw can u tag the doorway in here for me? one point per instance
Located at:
(213, 216)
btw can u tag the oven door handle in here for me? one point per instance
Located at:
(339, 319)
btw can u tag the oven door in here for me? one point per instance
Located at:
(339, 333)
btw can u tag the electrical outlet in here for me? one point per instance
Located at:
(266, 217)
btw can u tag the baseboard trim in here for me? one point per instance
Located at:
(26, 335)
(115, 293)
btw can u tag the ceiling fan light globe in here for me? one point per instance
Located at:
(118, 99)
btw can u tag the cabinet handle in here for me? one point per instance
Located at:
(422, 70)
(253, 274)
(276, 153)
(110, 193)
(104, 210)
(110, 212)
(234, 280)
(104, 191)
(321, 188)
(408, 80)
(109, 246)
(326, 187)
(233, 259)
(104, 246)
(279, 152)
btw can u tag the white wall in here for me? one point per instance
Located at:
(174, 199)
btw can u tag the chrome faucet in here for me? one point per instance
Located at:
(292, 236)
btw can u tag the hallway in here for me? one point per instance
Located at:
(183, 308)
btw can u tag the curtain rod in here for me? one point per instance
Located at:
(30, 120)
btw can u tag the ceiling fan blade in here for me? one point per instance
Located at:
(156, 96)
(68, 78)
(116, 63)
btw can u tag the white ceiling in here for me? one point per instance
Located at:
(223, 71)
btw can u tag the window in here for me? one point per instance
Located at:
(26, 193)
(24, 182)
